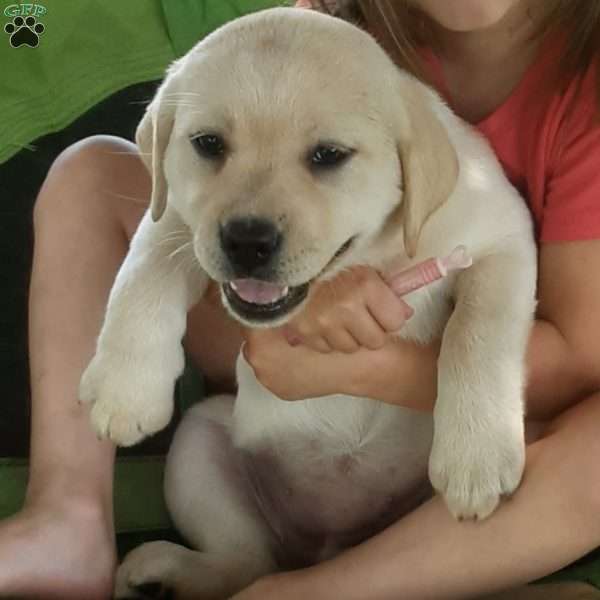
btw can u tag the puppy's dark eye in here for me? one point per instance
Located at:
(209, 145)
(328, 157)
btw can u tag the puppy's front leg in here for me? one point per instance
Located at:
(130, 381)
(478, 450)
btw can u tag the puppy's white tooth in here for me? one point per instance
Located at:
(285, 291)
(233, 285)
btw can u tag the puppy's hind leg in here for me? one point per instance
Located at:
(212, 507)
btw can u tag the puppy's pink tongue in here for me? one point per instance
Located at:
(258, 292)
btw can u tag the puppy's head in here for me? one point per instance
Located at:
(288, 142)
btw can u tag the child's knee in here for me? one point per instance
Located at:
(99, 167)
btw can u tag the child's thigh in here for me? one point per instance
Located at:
(100, 179)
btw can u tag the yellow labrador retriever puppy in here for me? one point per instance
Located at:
(284, 147)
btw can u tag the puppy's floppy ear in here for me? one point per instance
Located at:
(152, 137)
(428, 159)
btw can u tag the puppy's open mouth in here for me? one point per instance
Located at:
(257, 300)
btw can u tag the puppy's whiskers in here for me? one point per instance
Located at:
(186, 259)
(194, 107)
(179, 235)
(183, 94)
(177, 103)
(187, 245)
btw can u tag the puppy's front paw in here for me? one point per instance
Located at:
(473, 467)
(130, 397)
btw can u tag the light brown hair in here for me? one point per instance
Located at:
(401, 29)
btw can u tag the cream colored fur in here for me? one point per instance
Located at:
(419, 183)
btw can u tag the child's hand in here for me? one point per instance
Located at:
(357, 308)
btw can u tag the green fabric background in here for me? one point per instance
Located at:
(92, 48)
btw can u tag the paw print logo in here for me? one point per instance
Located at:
(24, 32)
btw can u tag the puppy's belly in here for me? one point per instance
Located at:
(327, 473)
(324, 503)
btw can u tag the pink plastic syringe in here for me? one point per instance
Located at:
(428, 271)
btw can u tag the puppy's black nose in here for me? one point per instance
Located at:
(249, 244)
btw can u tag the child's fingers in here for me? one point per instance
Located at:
(317, 343)
(330, 339)
(297, 334)
(360, 311)
(388, 310)
(325, 339)
(366, 330)
(346, 329)
(342, 340)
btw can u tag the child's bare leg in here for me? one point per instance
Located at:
(61, 545)
(551, 521)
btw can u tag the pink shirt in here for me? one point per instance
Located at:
(548, 142)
